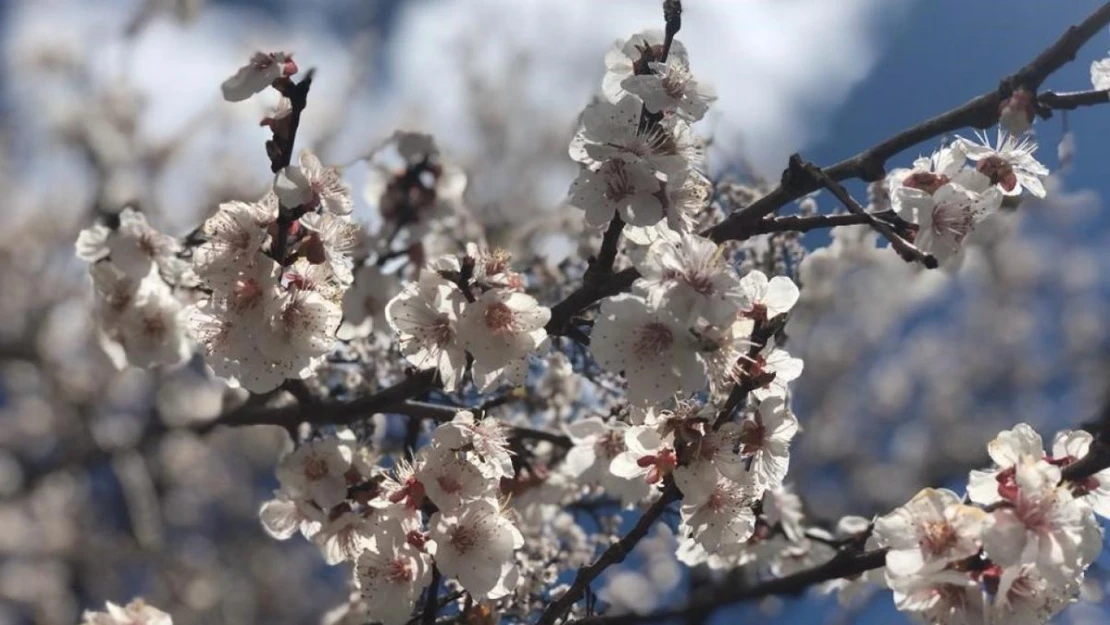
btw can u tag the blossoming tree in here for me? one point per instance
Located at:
(416, 368)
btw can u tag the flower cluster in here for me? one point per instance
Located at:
(638, 154)
(946, 197)
(1015, 553)
(141, 322)
(442, 509)
(275, 286)
(471, 304)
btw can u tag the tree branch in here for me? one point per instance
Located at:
(1051, 101)
(908, 251)
(870, 164)
(337, 412)
(615, 554)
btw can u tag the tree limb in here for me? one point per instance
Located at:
(615, 554)
(870, 164)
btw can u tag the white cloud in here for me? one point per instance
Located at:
(777, 64)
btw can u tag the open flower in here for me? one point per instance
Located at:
(317, 471)
(502, 326)
(687, 275)
(473, 544)
(390, 580)
(1009, 163)
(647, 456)
(931, 531)
(424, 315)
(765, 299)
(450, 478)
(484, 438)
(628, 189)
(654, 350)
(723, 519)
(1044, 525)
(671, 88)
(765, 441)
(594, 445)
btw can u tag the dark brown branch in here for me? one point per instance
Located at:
(798, 223)
(587, 294)
(870, 164)
(904, 248)
(1051, 101)
(615, 554)
(431, 606)
(338, 412)
(607, 255)
(280, 148)
(843, 565)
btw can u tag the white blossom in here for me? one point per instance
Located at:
(654, 350)
(473, 544)
(671, 88)
(501, 327)
(628, 189)
(134, 246)
(723, 520)
(647, 456)
(449, 477)
(425, 316)
(262, 70)
(284, 516)
(1009, 163)
(1100, 73)
(765, 440)
(1072, 445)
(689, 277)
(312, 185)
(391, 580)
(594, 445)
(765, 299)
(317, 471)
(927, 534)
(1044, 525)
(626, 57)
(485, 438)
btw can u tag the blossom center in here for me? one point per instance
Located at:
(937, 537)
(463, 538)
(951, 219)
(655, 338)
(925, 181)
(154, 326)
(618, 184)
(999, 170)
(315, 468)
(399, 571)
(499, 317)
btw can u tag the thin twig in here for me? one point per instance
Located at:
(1051, 101)
(615, 554)
(908, 251)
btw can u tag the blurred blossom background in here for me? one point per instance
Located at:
(105, 492)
